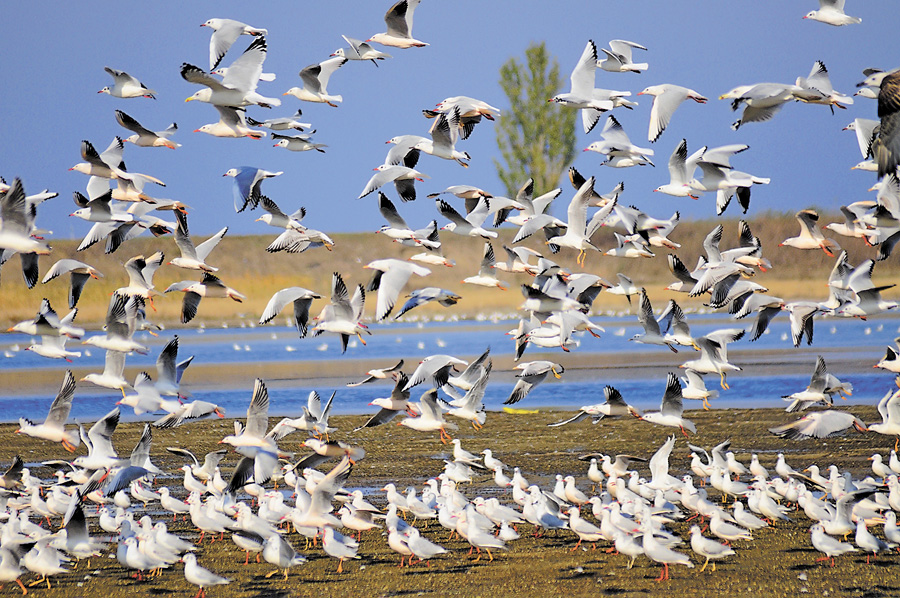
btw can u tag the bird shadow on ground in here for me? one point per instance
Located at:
(876, 592)
(435, 571)
(882, 562)
(614, 591)
(805, 567)
(574, 573)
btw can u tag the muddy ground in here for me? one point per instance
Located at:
(778, 562)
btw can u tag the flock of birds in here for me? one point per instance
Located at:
(631, 513)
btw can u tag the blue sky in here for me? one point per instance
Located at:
(54, 54)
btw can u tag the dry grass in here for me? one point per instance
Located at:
(244, 265)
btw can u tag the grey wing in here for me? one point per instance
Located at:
(614, 397)
(165, 363)
(97, 233)
(141, 452)
(672, 399)
(645, 317)
(189, 305)
(152, 264)
(184, 453)
(474, 398)
(132, 125)
(406, 189)
(487, 260)
(329, 486)
(355, 45)
(389, 212)
(412, 302)
(382, 417)
(100, 434)
(314, 405)
(221, 40)
(577, 418)
(76, 286)
(270, 206)
(232, 117)
(183, 238)
(114, 364)
(326, 411)
(380, 178)
(443, 131)
(429, 405)
(61, 267)
(62, 404)
(473, 372)
(204, 248)
(399, 18)
(886, 146)
(392, 282)
(301, 313)
(519, 392)
(677, 163)
(212, 459)
(448, 212)
(244, 72)
(819, 378)
(577, 211)
(279, 301)
(258, 411)
(194, 74)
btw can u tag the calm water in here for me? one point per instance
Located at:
(840, 337)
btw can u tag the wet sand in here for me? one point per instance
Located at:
(779, 561)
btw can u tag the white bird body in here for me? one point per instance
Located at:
(199, 576)
(126, 86)
(666, 99)
(831, 12)
(399, 21)
(315, 82)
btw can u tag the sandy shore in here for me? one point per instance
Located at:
(777, 562)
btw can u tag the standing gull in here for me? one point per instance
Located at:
(199, 576)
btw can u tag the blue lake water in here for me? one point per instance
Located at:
(835, 338)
